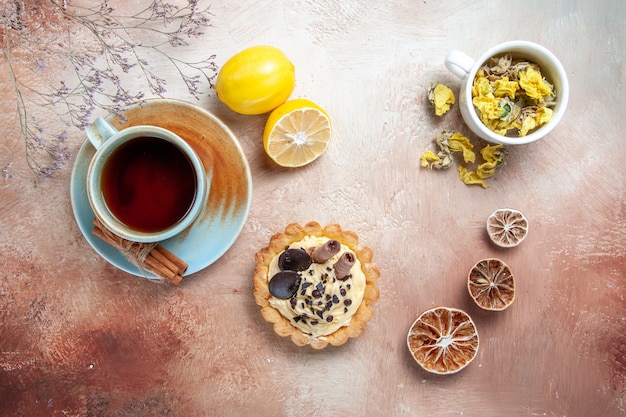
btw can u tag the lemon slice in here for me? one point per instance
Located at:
(296, 133)
(507, 227)
(443, 340)
(491, 284)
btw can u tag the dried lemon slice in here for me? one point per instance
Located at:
(507, 227)
(491, 284)
(443, 340)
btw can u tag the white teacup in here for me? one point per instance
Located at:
(464, 67)
(144, 183)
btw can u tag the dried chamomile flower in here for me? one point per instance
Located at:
(500, 65)
(470, 177)
(430, 160)
(488, 105)
(531, 118)
(534, 84)
(442, 97)
(494, 156)
(505, 88)
(440, 160)
(448, 141)
(459, 143)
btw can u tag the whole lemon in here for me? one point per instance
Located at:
(256, 80)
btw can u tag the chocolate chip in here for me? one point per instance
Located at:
(329, 318)
(347, 302)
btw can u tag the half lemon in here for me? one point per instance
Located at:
(297, 133)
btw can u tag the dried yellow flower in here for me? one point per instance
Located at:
(544, 115)
(494, 153)
(489, 109)
(459, 143)
(486, 170)
(443, 159)
(470, 177)
(429, 158)
(481, 86)
(442, 97)
(505, 88)
(528, 124)
(494, 156)
(450, 141)
(534, 84)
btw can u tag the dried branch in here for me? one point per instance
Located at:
(97, 46)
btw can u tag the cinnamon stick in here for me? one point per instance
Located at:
(159, 260)
(180, 264)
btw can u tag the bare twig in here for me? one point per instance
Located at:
(96, 45)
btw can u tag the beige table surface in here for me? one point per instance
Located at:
(78, 337)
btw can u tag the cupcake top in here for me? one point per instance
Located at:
(316, 284)
(323, 301)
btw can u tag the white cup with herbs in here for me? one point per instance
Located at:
(514, 93)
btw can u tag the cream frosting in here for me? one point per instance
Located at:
(322, 304)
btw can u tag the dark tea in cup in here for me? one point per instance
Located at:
(148, 184)
(145, 183)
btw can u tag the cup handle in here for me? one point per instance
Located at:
(99, 131)
(459, 63)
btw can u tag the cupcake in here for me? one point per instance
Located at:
(316, 284)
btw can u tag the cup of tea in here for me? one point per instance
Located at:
(144, 183)
(523, 54)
